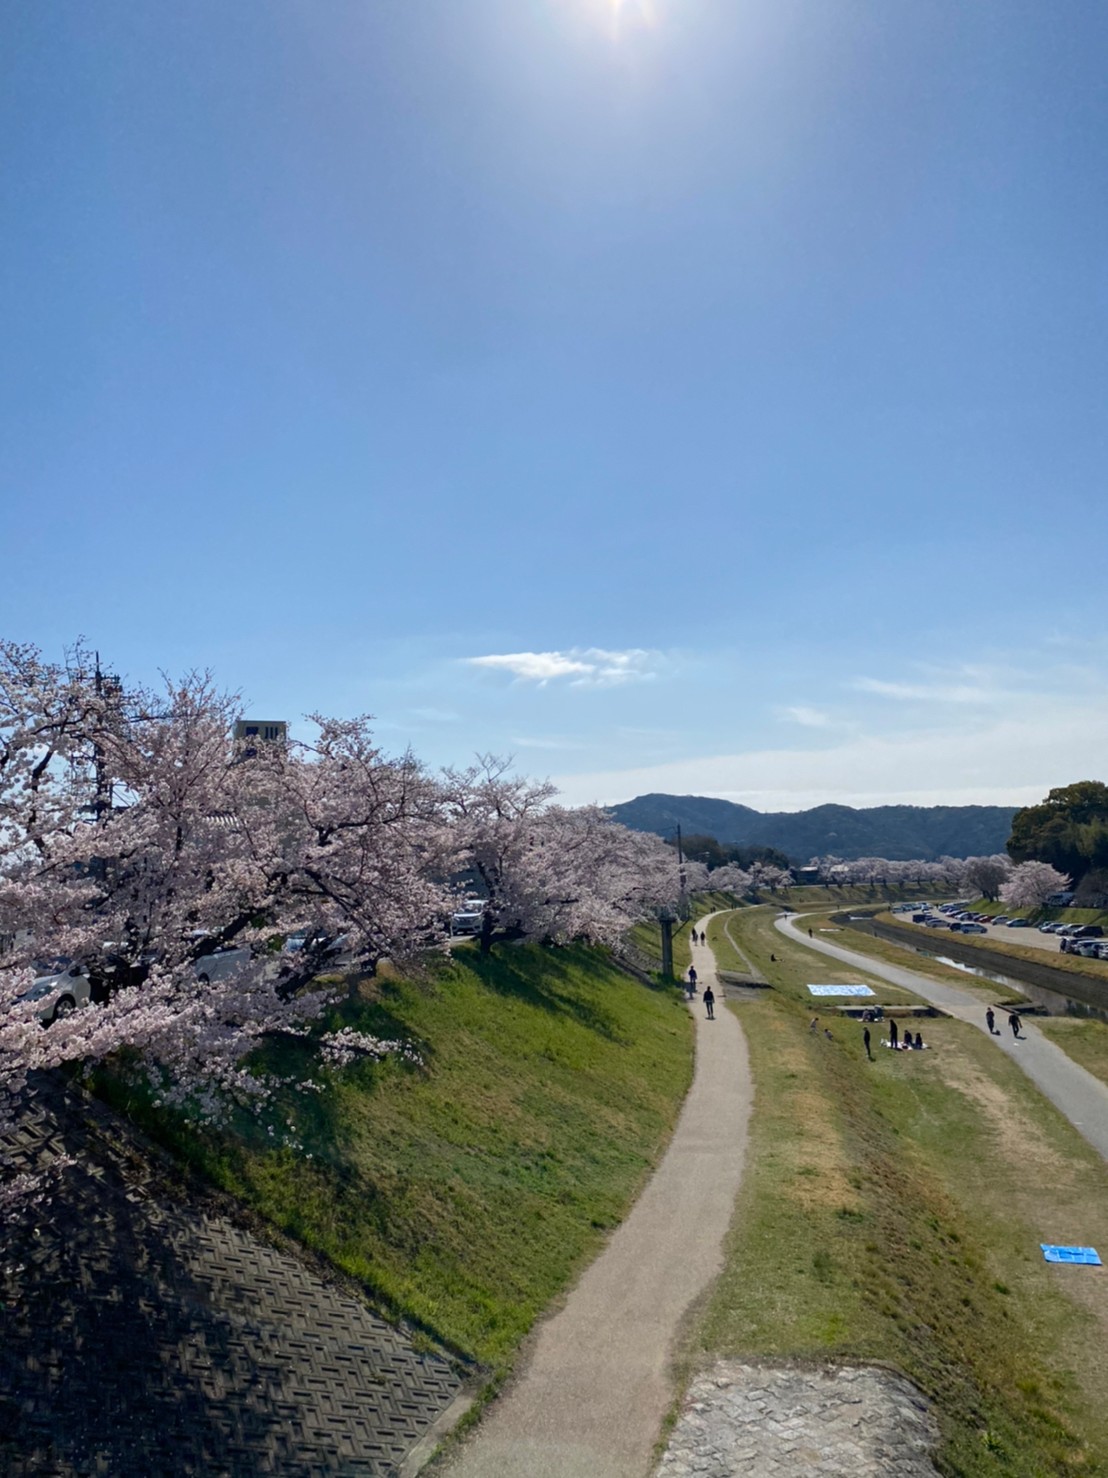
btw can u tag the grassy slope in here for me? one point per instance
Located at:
(1041, 915)
(646, 936)
(1085, 1040)
(466, 1193)
(893, 1210)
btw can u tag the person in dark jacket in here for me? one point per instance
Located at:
(710, 1002)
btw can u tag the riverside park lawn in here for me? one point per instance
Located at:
(893, 1210)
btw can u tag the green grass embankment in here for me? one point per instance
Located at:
(466, 1193)
(1081, 1038)
(892, 1211)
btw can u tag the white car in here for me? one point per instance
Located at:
(61, 987)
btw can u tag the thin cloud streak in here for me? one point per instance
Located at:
(927, 692)
(808, 718)
(538, 741)
(584, 667)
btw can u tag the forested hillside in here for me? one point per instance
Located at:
(896, 832)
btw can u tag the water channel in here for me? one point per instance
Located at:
(1052, 1002)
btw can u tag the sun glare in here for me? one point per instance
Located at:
(633, 12)
(619, 17)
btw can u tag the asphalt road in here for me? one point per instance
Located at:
(595, 1386)
(1082, 1098)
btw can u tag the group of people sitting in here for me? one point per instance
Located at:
(907, 1044)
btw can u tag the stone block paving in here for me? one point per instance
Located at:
(787, 1422)
(142, 1335)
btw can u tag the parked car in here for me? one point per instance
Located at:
(1088, 931)
(296, 941)
(973, 928)
(1050, 928)
(934, 923)
(61, 987)
(1018, 924)
(221, 963)
(467, 921)
(1001, 918)
(1089, 949)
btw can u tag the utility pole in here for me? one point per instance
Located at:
(106, 684)
(665, 923)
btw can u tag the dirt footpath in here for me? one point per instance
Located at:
(596, 1385)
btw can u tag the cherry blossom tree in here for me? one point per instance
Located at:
(834, 871)
(549, 872)
(986, 874)
(730, 879)
(135, 840)
(1032, 883)
(696, 875)
(765, 875)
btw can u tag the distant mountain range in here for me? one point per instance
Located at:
(899, 833)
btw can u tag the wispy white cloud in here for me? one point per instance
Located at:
(582, 666)
(540, 741)
(808, 718)
(927, 692)
(436, 715)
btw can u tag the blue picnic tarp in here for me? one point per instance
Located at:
(1053, 1253)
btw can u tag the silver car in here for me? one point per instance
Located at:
(221, 964)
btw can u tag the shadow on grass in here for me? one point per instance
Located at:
(548, 979)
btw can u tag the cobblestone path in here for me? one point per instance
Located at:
(750, 1421)
(141, 1335)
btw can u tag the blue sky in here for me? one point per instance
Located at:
(733, 374)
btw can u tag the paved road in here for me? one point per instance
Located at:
(593, 1392)
(1082, 1098)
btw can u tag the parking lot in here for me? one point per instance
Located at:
(1049, 944)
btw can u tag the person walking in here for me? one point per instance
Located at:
(1014, 1023)
(865, 1039)
(710, 1002)
(990, 1022)
(893, 1035)
(809, 934)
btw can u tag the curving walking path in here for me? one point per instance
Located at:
(1081, 1097)
(597, 1383)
